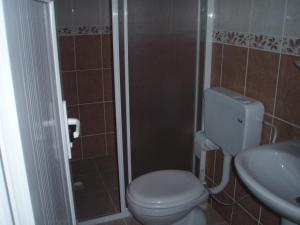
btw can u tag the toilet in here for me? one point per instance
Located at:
(172, 197)
(164, 197)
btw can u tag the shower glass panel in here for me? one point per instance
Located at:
(162, 47)
(85, 46)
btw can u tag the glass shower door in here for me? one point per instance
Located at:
(162, 53)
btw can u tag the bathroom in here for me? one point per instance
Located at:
(136, 73)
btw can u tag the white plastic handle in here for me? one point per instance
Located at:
(76, 122)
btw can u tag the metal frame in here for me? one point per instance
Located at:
(61, 108)
(115, 27)
(116, 57)
(127, 100)
(207, 74)
(106, 219)
(119, 127)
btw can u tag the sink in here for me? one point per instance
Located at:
(272, 174)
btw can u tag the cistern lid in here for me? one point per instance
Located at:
(166, 188)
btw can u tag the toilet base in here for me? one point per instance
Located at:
(195, 217)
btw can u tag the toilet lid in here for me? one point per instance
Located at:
(166, 188)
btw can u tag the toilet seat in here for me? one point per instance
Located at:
(166, 189)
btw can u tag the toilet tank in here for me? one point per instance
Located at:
(232, 121)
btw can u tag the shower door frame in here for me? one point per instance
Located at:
(210, 15)
(118, 98)
(119, 129)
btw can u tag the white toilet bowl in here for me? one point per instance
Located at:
(167, 197)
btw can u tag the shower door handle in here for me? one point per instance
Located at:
(75, 122)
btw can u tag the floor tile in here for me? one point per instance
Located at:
(93, 204)
(110, 178)
(132, 221)
(106, 163)
(91, 183)
(83, 167)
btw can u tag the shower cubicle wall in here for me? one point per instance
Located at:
(162, 79)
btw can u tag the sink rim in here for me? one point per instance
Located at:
(278, 204)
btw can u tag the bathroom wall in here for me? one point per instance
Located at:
(85, 44)
(255, 44)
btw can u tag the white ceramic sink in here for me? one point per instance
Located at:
(272, 173)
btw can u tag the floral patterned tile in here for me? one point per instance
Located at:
(236, 38)
(287, 45)
(83, 30)
(265, 42)
(291, 46)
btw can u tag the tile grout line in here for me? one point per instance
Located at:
(248, 45)
(259, 215)
(279, 67)
(287, 122)
(77, 92)
(97, 134)
(279, 62)
(89, 103)
(247, 212)
(103, 97)
(83, 70)
(103, 183)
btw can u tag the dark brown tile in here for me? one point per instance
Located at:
(209, 164)
(67, 54)
(234, 68)
(93, 146)
(286, 131)
(250, 203)
(213, 217)
(88, 52)
(69, 87)
(241, 217)
(268, 217)
(224, 211)
(262, 77)
(111, 141)
(76, 149)
(90, 86)
(83, 167)
(132, 221)
(93, 204)
(110, 178)
(209, 181)
(115, 195)
(92, 119)
(107, 51)
(216, 64)
(110, 117)
(106, 162)
(288, 104)
(91, 183)
(218, 167)
(115, 222)
(108, 84)
(73, 112)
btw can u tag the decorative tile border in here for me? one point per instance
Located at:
(288, 45)
(83, 30)
(291, 46)
(265, 42)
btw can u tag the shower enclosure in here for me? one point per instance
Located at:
(85, 43)
(132, 72)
